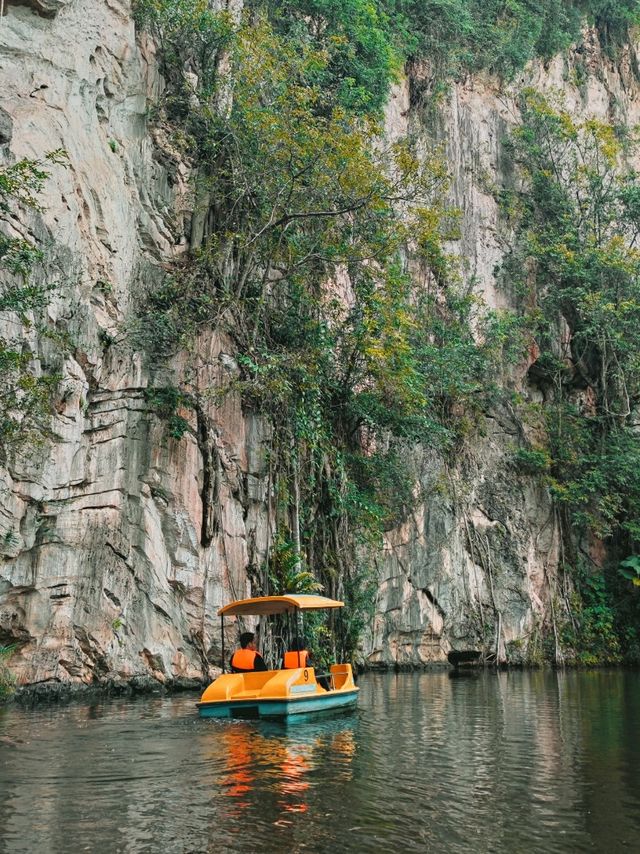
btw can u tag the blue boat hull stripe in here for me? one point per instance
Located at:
(279, 708)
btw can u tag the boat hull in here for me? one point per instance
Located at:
(280, 709)
(279, 694)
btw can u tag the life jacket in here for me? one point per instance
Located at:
(243, 659)
(295, 659)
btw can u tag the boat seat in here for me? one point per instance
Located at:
(339, 674)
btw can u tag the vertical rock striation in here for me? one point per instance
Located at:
(477, 565)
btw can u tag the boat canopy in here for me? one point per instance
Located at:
(264, 605)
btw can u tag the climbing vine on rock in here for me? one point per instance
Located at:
(318, 249)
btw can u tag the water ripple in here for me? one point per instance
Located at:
(493, 763)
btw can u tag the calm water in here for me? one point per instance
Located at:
(510, 762)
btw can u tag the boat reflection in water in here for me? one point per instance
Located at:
(279, 764)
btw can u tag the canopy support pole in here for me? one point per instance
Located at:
(222, 636)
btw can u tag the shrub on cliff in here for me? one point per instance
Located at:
(576, 266)
(27, 388)
(313, 227)
(7, 680)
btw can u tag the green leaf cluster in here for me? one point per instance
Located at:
(167, 401)
(367, 41)
(316, 234)
(459, 36)
(594, 636)
(357, 39)
(630, 569)
(286, 573)
(190, 35)
(26, 390)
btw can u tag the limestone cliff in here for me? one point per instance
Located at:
(117, 542)
(104, 572)
(484, 549)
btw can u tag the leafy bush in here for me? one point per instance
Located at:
(166, 401)
(501, 36)
(302, 195)
(593, 638)
(190, 36)
(532, 460)
(630, 569)
(7, 680)
(27, 391)
(302, 199)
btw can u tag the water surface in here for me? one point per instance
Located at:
(508, 762)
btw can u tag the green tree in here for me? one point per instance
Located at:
(313, 225)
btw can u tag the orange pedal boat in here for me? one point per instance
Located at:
(294, 693)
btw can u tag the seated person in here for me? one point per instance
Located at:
(297, 656)
(247, 659)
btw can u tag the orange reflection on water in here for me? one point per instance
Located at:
(280, 763)
(293, 783)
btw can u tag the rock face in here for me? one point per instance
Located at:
(46, 8)
(476, 564)
(104, 575)
(117, 543)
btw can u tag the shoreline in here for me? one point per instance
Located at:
(53, 692)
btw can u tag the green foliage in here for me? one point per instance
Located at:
(23, 181)
(613, 18)
(366, 41)
(18, 257)
(593, 638)
(630, 569)
(313, 228)
(7, 680)
(360, 592)
(166, 401)
(304, 202)
(532, 460)
(190, 36)
(576, 253)
(286, 573)
(356, 39)
(312, 224)
(26, 390)
(501, 36)
(26, 399)
(576, 262)
(497, 35)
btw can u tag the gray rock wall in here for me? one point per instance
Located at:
(477, 565)
(103, 571)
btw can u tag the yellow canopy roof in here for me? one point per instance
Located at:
(263, 605)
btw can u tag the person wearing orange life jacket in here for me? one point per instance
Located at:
(247, 658)
(297, 656)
